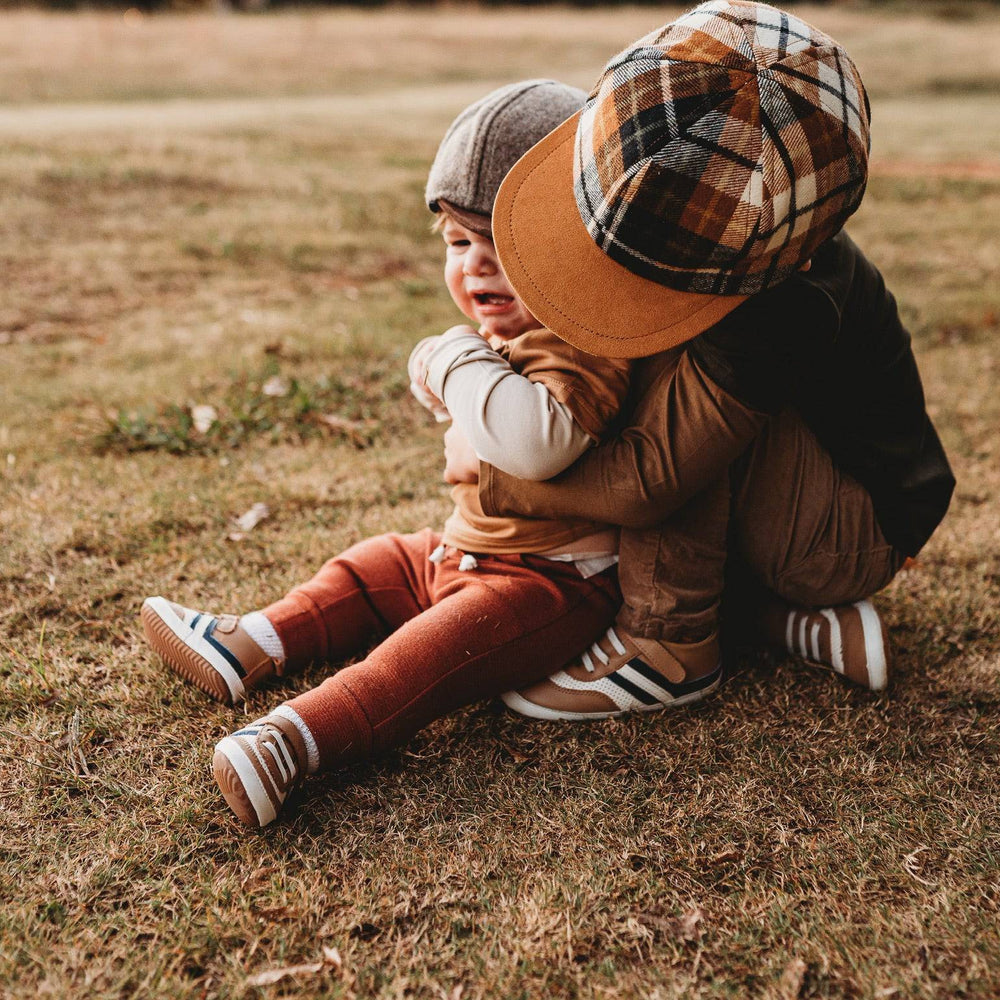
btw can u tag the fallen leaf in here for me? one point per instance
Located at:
(276, 385)
(357, 431)
(203, 416)
(689, 930)
(790, 985)
(331, 960)
(253, 517)
(276, 975)
(724, 857)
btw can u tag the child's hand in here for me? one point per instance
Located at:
(417, 369)
(417, 364)
(461, 463)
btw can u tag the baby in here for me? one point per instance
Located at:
(485, 606)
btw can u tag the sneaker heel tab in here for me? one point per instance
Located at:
(697, 659)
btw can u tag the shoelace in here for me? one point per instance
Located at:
(265, 736)
(616, 644)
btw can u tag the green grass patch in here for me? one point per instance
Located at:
(272, 406)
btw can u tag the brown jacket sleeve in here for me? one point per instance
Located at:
(595, 389)
(684, 434)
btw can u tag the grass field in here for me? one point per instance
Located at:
(227, 212)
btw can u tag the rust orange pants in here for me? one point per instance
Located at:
(452, 637)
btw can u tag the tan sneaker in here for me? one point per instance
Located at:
(620, 674)
(850, 639)
(258, 766)
(214, 653)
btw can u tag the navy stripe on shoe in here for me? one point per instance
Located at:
(676, 690)
(228, 654)
(633, 689)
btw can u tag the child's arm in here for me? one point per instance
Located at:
(512, 422)
(416, 367)
(644, 474)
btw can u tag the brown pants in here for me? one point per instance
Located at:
(783, 517)
(711, 492)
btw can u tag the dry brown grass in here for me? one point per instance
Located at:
(789, 838)
(96, 56)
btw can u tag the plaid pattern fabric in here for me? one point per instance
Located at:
(716, 153)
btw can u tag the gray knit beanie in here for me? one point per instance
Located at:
(487, 139)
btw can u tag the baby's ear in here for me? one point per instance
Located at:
(807, 265)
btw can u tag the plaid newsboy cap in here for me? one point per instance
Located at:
(712, 158)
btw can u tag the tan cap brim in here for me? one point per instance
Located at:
(568, 283)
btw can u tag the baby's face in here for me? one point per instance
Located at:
(478, 286)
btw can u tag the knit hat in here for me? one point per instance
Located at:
(487, 139)
(711, 159)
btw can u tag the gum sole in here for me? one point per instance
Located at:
(181, 659)
(232, 790)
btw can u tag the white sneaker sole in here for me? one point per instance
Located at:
(241, 785)
(519, 704)
(189, 653)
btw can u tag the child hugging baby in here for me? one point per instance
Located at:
(489, 604)
(778, 416)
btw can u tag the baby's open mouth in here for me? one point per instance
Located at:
(491, 299)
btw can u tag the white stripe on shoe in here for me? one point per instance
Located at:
(283, 758)
(194, 639)
(625, 701)
(836, 640)
(312, 750)
(234, 752)
(871, 626)
(643, 682)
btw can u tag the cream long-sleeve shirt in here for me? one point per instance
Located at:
(511, 422)
(531, 406)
